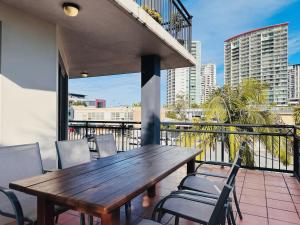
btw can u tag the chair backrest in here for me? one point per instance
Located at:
(72, 153)
(219, 211)
(19, 162)
(238, 157)
(106, 145)
(235, 165)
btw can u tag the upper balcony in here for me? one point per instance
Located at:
(173, 16)
(109, 36)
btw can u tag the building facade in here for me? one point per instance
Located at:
(208, 81)
(294, 83)
(260, 54)
(186, 81)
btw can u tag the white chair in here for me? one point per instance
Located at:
(105, 145)
(72, 153)
(19, 162)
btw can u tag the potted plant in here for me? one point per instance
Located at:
(154, 14)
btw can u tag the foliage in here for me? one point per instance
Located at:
(171, 115)
(195, 106)
(154, 14)
(136, 104)
(242, 105)
(79, 103)
(178, 110)
(296, 114)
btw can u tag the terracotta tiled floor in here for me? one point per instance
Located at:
(266, 198)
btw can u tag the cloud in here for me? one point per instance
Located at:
(294, 43)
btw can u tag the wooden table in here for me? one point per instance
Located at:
(101, 187)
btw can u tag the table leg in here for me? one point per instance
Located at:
(112, 218)
(151, 192)
(45, 212)
(191, 166)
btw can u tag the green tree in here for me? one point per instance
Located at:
(296, 114)
(246, 104)
(178, 110)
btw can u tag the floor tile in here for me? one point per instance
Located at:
(283, 190)
(252, 220)
(253, 200)
(283, 205)
(279, 196)
(253, 192)
(253, 210)
(283, 215)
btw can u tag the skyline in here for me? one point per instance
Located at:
(232, 19)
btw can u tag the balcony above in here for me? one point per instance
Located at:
(110, 36)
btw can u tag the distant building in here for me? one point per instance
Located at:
(261, 54)
(73, 97)
(186, 81)
(107, 114)
(97, 103)
(208, 81)
(80, 98)
(294, 83)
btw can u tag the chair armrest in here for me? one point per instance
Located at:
(195, 193)
(214, 163)
(50, 170)
(211, 174)
(15, 204)
(159, 206)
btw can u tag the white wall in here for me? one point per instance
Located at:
(28, 82)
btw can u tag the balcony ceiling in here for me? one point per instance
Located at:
(107, 37)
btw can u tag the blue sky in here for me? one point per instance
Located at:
(213, 22)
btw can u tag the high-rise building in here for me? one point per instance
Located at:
(208, 81)
(294, 82)
(260, 54)
(186, 81)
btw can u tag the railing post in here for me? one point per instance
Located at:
(123, 134)
(190, 34)
(86, 129)
(296, 153)
(167, 137)
(222, 147)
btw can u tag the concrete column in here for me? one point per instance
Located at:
(150, 100)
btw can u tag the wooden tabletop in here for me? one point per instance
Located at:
(106, 184)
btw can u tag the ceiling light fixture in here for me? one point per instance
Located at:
(84, 74)
(71, 9)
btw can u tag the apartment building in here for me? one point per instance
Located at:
(294, 83)
(186, 81)
(208, 81)
(260, 54)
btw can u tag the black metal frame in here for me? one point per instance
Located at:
(175, 18)
(18, 216)
(127, 136)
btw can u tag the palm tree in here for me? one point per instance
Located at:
(246, 104)
(297, 114)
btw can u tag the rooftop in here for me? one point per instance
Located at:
(255, 30)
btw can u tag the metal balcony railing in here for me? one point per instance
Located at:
(173, 16)
(269, 147)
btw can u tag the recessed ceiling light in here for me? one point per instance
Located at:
(84, 74)
(71, 9)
